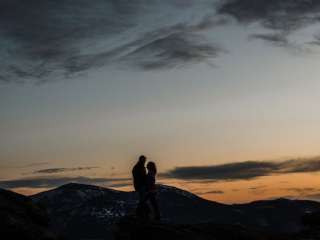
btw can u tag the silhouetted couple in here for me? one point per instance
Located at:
(145, 184)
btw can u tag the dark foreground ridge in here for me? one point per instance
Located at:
(129, 228)
(20, 218)
(77, 211)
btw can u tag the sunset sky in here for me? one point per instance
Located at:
(222, 94)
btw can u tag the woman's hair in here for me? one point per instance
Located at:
(151, 166)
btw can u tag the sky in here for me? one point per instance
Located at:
(222, 94)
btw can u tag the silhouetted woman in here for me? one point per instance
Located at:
(152, 190)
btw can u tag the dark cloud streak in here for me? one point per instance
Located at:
(45, 39)
(31, 165)
(285, 15)
(282, 16)
(244, 170)
(61, 170)
(275, 39)
(211, 192)
(50, 182)
(174, 50)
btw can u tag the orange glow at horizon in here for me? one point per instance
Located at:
(294, 186)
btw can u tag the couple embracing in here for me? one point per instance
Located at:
(145, 184)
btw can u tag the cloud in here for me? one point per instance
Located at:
(212, 192)
(50, 182)
(314, 197)
(258, 190)
(60, 170)
(303, 191)
(43, 40)
(120, 185)
(308, 193)
(30, 165)
(253, 188)
(165, 48)
(173, 50)
(316, 39)
(273, 38)
(282, 16)
(244, 170)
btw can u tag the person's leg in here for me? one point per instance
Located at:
(139, 206)
(143, 208)
(155, 206)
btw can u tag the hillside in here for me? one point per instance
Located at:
(73, 206)
(77, 211)
(20, 218)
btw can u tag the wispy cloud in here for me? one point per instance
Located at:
(175, 49)
(273, 38)
(315, 196)
(302, 191)
(309, 193)
(211, 192)
(61, 170)
(50, 182)
(42, 39)
(282, 16)
(258, 190)
(30, 165)
(244, 170)
(285, 15)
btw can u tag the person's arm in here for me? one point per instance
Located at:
(152, 182)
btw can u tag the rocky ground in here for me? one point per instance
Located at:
(21, 219)
(130, 228)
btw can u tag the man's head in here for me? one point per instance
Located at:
(142, 159)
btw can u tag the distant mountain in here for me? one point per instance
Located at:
(279, 215)
(84, 212)
(88, 212)
(20, 218)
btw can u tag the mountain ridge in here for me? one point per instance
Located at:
(72, 206)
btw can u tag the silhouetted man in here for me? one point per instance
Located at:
(139, 174)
